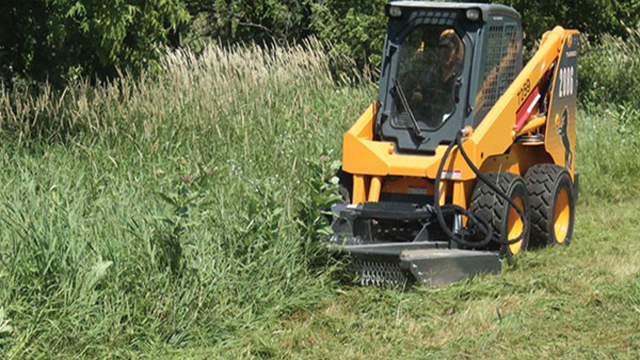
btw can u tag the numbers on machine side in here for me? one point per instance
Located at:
(565, 87)
(524, 92)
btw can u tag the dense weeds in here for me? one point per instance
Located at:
(180, 208)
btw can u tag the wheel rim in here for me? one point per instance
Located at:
(515, 226)
(561, 216)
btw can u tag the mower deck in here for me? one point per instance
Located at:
(377, 261)
(424, 263)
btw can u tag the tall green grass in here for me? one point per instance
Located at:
(178, 209)
(609, 90)
(607, 151)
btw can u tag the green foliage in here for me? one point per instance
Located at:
(61, 39)
(56, 40)
(609, 70)
(356, 30)
(262, 21)
(187, 200)
(5, 328)
(592, 17)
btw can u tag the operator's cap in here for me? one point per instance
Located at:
(450, 39)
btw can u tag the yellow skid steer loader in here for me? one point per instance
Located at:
(466, 156)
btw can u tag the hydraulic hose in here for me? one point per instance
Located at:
(481, 225)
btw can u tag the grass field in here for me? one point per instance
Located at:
(176, 216)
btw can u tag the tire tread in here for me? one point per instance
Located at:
(541, 181)
(486, 203)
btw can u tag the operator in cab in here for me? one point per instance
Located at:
(432, 78)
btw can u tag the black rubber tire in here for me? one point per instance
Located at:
(485, 203)
(544, 184)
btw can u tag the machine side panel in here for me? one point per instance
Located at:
(494, 135)
(560, 135)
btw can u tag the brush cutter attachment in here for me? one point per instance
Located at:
(374, 237)
(426, 263)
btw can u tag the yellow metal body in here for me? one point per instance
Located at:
(491, 146)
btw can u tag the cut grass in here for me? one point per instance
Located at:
(176, 217)
(576, 302)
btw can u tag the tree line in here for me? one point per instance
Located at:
(58, 40)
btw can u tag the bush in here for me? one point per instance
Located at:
(593, 17)
(262, 21)
(609, 70)
(57, 40)
(356, 30)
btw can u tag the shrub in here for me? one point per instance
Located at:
(57, 40)
(609, 70)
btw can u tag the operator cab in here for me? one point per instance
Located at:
(444, 67)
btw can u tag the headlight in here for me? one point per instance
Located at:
(395, 11)
(473, 14)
